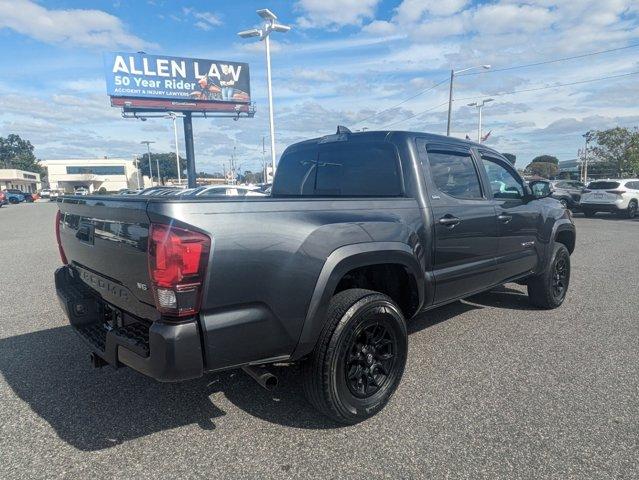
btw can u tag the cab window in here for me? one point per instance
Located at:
(454, 174)
(503, 183)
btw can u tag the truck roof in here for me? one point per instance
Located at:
(382, 135)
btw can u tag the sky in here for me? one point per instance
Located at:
(359, 63)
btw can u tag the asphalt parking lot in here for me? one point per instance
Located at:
(493, 388)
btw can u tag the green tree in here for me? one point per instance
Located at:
(16, 152)
(546, 159)
(511, 157)
(618, 148)
(168, 165)
(251, 177)
(543, 169)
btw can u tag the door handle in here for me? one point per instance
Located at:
(504, 218)
(449, 221)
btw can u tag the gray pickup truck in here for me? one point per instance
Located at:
(362, 232)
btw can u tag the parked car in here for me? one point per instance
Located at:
(230, 190)
(159, 191)
(81, 191)
(620, 196)
(362, 232)
(128, 191)
(27, 196)
(54, 194)
(14, 198)
(568, 192)
(3, 199)
(45, 193)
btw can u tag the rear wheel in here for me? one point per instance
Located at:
(564, 203)
(631, 212)
(359, 358)
(548, 290)
(589, 213)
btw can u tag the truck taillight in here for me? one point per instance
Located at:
(58, 221)
(177, 265)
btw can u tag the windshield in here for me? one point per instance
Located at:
(603, 185)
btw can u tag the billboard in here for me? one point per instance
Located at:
(158, 82)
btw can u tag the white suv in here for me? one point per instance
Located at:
(618, 196)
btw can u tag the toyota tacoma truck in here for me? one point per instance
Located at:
(362, 232)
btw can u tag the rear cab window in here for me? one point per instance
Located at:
(340, 169)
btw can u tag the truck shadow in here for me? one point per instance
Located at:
(98, 409)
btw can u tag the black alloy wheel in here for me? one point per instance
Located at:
(370, 359)
(560, 277)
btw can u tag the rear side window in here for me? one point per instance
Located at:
(370, 170)
(454, 174)
(295, 174)
(340, 170)
(603, 185)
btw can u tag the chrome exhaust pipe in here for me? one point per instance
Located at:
(263, 377)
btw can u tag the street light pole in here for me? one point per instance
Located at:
(271, 121)
(480, 107)
(148, 149)
(450, 92)
(264, 34)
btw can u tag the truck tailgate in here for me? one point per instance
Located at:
(105, 240)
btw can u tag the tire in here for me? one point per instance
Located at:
(589, 213)
(548, 289)
(359, 358)
(631, 211)
(564, 203)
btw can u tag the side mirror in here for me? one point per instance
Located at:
(540, 189)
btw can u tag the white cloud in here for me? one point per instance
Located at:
(334, 13)
(205, 20)
(411, 11)
(73, 27)
(504, 18)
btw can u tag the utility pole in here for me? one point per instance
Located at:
(148, 149)
(585, 163)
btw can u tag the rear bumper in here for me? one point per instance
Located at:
(165, 351)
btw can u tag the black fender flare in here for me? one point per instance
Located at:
(561, 225)
(338, 263)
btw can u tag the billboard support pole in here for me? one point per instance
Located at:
(190, 151)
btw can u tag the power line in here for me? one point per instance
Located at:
(403, 101)
(416, 114)
(518, 91)
(535, 89)
(546, 62)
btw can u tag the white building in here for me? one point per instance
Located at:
(112, 174)
(20, 180)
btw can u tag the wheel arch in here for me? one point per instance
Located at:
(564, 232)
(347, 259)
